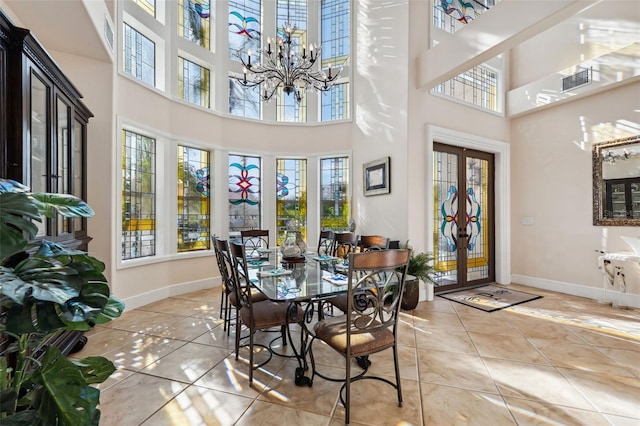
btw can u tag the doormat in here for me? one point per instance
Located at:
(489, 298)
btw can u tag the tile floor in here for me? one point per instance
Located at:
(558, 360)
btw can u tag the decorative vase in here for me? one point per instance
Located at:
(300, 242)
(290, 247)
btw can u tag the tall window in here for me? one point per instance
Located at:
(193, 82)
(335, 103)
(139, 56)
(244, 193)
(291, 196)
(334, 190)
(194, 220)
(478, 86)
(148, 6)
(243, 101)
(244, 26)
(289, 110)
(193, 21)
(335, 30)
(138, 196)
(294, 13)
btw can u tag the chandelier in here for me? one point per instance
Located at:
(288, 66)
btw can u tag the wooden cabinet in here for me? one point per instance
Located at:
(622, 198)
(43, 128)
(43, 135)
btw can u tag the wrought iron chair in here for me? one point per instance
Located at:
(224, 299)
(255, 239)
(256, 315)
(373, 242)
(345, 243)
(325, 242)
(225, 263)
(376, 283)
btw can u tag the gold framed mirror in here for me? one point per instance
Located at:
(616, 182)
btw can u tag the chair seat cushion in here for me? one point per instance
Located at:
(334, 332)
(340, 301)
(269, 314)
(256, 296)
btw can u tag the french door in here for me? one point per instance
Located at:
(464, 217)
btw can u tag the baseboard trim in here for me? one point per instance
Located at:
(595, 293)
(139, 300)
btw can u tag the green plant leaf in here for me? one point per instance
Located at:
(67, 399)
(20, 318)
(66, 204)
(113, 309)
(95, 369)
(10, 185)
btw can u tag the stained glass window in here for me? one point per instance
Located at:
(452, 15)
(291, 196)
(243, 101)
(335, 103)
(193, 199)
(193, 21)
(148, 6)
(334, 193)
(244, 193)
(193, 82)
(244, 26)
(335, 21)
(478, 86)
(139, 55)
(138, 196)
(289, 110)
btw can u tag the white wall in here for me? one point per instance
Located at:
(551, 183)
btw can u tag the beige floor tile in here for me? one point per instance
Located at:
(319, 398)
(187, 363)
(142, 352)
(135, 398)
(445, 405)
(516, 348)
(445, 340)
(580, 357)
(114, 378)
(233, 377)
(106, 340)
(145, 322)
(382, 363)
(431, 319)
(624, 358)
(376, 403)
(610, 394)
(184, 329)
(197, 406)
(540, 413)
(437, 304)
(184, 307)
(267, 414)
(451, 369)
(607, 338)
(535, 382)
(544, 329)
(621, 421)
(489, 323)
(217, 336)
(211, 295)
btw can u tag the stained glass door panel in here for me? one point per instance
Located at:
(463, 216)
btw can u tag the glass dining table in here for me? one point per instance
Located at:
(307, 281)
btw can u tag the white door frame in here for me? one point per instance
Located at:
(502, 187)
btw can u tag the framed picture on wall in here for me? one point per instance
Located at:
(376, 175)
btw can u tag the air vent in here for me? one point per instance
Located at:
(578, 79)
(108, 33)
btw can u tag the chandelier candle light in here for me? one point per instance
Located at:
(286, 67)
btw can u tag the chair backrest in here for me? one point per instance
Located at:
(255, 239)
(325, 242)
(345, 243)
(373, 242)
(376, 285)
(238, 253)
(225, 264)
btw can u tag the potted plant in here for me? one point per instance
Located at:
(422, 268)
(46, 288)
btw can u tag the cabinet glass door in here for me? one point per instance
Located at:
(63, 155)
(39, 170)
(618, 201)
(635, 200)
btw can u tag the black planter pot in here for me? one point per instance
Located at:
(411, 294)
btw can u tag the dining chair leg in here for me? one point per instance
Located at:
(347, 400)
(283, 331)
(250, 357)
(398, 386)
(238, 329)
